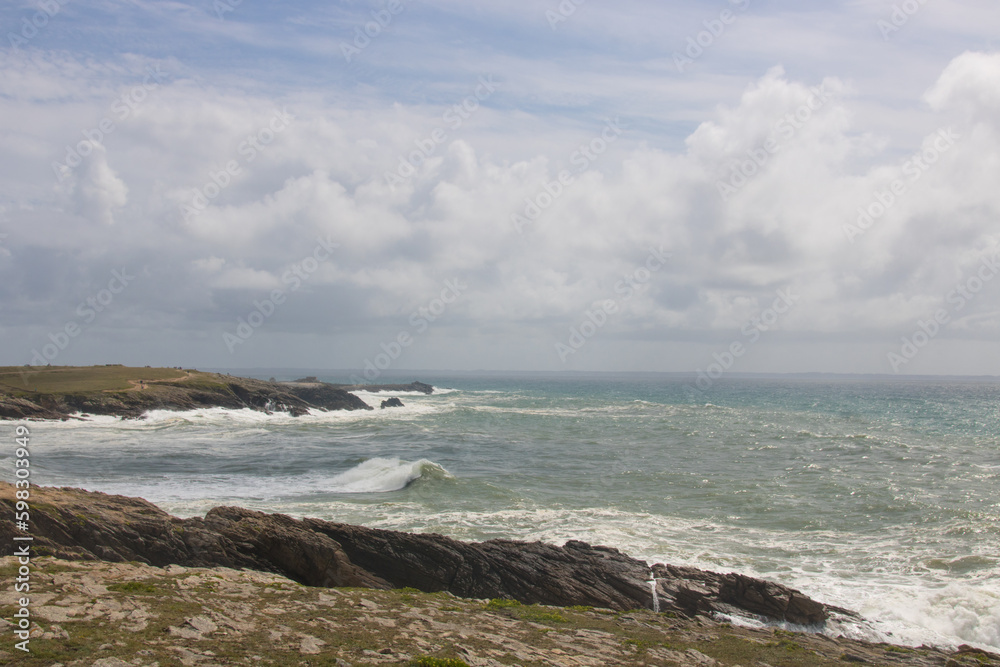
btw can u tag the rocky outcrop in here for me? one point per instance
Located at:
(76, 524)
(422, 387)
(326, 397)
(80, 525)
(200, 390)
(695, 592)
(391, 403)
(17, 407)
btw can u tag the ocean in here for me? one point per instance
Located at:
(882, 496)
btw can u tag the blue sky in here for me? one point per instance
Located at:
(268, 201)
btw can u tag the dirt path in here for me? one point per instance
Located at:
(140, 385)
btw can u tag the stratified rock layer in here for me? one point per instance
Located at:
(82, 525)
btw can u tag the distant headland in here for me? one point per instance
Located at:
(71, 392)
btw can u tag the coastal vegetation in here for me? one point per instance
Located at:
(101, 614)
(68, 392)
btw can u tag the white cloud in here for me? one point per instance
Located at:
(969, 83)
(781, 224)
(97, 190)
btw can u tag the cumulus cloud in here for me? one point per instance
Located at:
(781, 186)
(969, 82)
(96, 189)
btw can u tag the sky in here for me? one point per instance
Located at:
(712, 187)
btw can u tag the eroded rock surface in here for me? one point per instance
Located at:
(99, 614)
(77, 524)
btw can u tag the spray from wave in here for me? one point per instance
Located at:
(380, 475)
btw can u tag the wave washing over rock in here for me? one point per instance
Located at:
(77, 524)
(208, 608)
(41, 393)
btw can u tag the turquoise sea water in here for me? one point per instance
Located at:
(880, 496)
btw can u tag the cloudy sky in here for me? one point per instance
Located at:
(769, 186)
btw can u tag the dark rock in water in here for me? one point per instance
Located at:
(77, 524)
(392, 403)
(695, 591)
(326, 396)
(312, 379)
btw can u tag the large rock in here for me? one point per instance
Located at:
(76, 524)
(17, 407)
(326, 396)
(79, 525)
(280, 543)
(695, 591)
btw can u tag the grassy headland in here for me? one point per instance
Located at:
(60, 392)
(27, 380)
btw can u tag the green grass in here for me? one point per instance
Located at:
(77, 379)
(429, 661)
(538, 614)
(501, 603)
(532, 612)
(338, 619)
(133, 587)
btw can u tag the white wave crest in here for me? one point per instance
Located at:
(380, 475)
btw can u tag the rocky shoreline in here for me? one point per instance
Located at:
(520, 579)
(75, 524)
(189, 391)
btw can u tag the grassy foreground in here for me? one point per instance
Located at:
(133, 615)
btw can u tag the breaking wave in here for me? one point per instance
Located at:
(381, 475)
